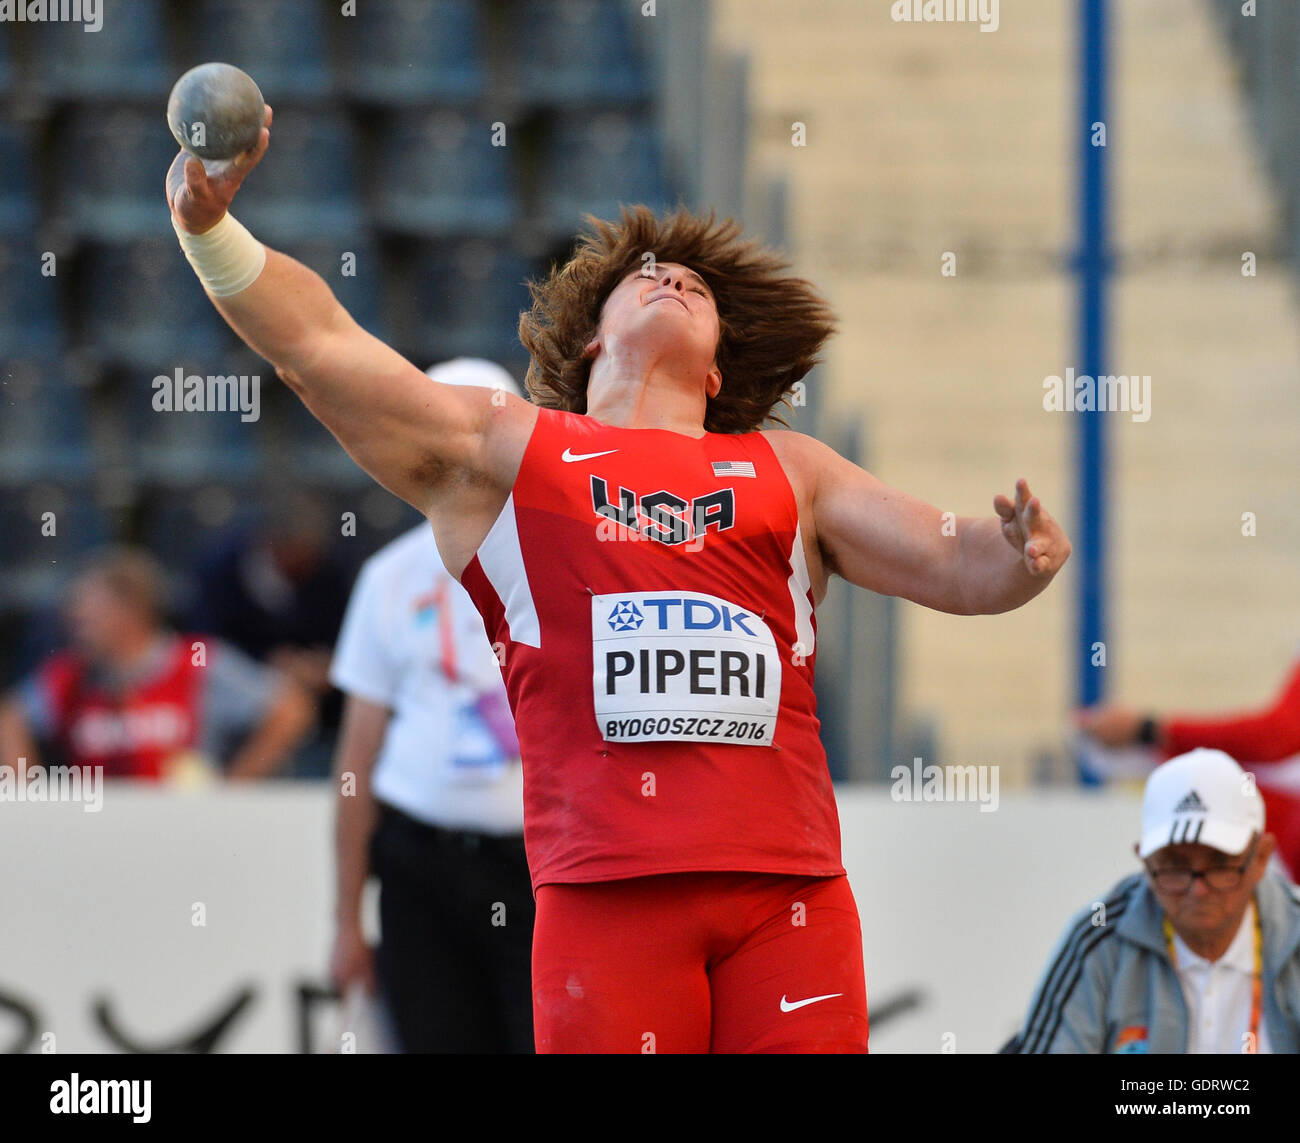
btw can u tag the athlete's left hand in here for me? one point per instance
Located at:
(1031, 530)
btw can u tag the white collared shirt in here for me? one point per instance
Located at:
(439, 762)
(1218, 994)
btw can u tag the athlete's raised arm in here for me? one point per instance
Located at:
(879, 538)
(415, 436)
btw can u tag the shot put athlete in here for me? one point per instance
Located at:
(649, 560)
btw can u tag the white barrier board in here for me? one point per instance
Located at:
(145, 923)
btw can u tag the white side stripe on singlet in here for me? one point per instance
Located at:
(800, 585)
(502, 561)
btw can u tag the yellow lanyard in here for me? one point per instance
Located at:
(1257, 984)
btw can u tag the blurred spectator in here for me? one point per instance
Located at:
(433, 806)
(141, 700)
(277, 592)
(1266, 742)
(1200, 953)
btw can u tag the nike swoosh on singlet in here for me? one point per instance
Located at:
(570, 457)
(790, 1006)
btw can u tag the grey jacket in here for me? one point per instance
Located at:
(1110, 986)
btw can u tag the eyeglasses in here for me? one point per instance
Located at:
(1219, 877)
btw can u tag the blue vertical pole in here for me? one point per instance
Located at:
(1093, 267)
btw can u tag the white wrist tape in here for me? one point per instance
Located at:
(226, 258)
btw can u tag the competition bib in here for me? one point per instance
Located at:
(683, 666)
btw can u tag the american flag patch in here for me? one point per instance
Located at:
(733, 468)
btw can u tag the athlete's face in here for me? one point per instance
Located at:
(671, 308)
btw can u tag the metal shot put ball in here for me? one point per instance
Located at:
(215, 112)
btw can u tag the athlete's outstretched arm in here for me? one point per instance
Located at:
(879, 538)
(410, 433)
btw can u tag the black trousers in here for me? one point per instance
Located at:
(455, 955)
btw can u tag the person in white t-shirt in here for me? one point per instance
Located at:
(434, 807)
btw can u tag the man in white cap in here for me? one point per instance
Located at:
(1199, 953)
(434, 807)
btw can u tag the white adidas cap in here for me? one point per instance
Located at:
(1201, 797)
(474, 371)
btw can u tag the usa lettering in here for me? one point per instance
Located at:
(663, 515)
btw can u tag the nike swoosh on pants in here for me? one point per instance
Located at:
(791, 1005)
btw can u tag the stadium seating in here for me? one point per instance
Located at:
(576, 52)
(18, 211)
(317, 458)
(467, 297)
(415, 51)
(178, 523)
(606, 159)
(110, 170)
(379, 517)
(1266, 50)
(280, 43)
(127, 56)
(44, 430)
(31, 316)
(308, 183)
(353, 267)
(7, 78)
(440, 174)
(184, 449)
(383, 149)
(37, 562)
(163, 316)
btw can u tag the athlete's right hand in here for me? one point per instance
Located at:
(352, 960)
(199, 200)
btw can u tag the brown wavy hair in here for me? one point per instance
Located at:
(772, 325)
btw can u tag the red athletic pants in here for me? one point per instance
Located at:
(699, 962)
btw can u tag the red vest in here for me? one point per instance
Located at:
(131, 735)
(651, 595)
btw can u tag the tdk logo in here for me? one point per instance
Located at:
(625, 616)
(683, 664)
(694, 615)
(663, 515)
